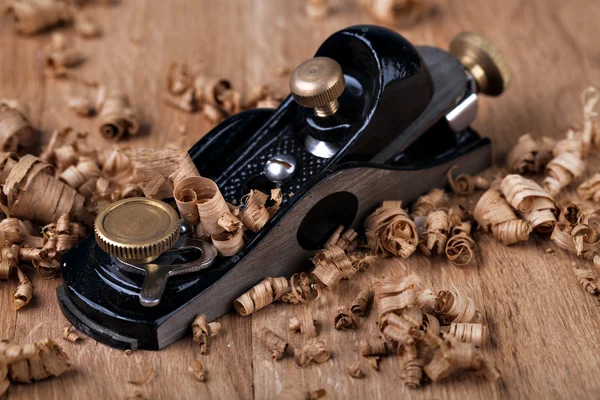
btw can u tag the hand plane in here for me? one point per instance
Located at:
(371, 117)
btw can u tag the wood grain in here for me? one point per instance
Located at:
(543, 328)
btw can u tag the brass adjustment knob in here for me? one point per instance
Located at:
(137, 230)
(317, 83)
(483, 60)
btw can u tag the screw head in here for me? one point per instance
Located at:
(280, 167)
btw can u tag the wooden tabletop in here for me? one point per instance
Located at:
(543, 328)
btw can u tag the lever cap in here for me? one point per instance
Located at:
(484, 61)
(317, 83)
(137, 230)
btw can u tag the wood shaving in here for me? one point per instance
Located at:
(493, 212)
(590, 135)
(159, 171)
(580, 239)
(16, 131)
(313, 351)
(362, 301)
(228, 244)
(308, 325)
(587, 280)
(530, 155)
(412, 365)
(355, 370)
(24, 292)
(454, 307)
(34, 361)
(435, 233)
(261, 295)
(317, 9)
(452, 355)
(534, 205)
(462, 184)
(590, 188)
(143, 379)
(72, 335)
(263, 96)
(390, 230)
(374, 347)
(294, 324)
(256, 214)
(24, 179)
(436, 198)
(562, 170)
(202, 331)
(343, 319)
(295, 393)
(331, 266)
(117, 117)
(397, 12)
(33, 16)
(197, 371)
(472, 333)
(460, 249)
(374, 362)
(59, 55)
(81, 105)
(9, 260)
(274, 343)
(362, 260)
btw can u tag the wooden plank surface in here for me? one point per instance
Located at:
(543, 328)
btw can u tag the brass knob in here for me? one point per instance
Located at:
(317, 83)
(137, 230)
(483, 60)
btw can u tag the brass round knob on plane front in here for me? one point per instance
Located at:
(317, 83)
(483, 60)
(137, 230)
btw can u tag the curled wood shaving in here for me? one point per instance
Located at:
(412, 368)
(462, 184)
(390, 230)
(24, 292)
(472, 333)
(536, 206)
(374, 347)
(426, 300)
(587, 280)
(117, 117)
(530, 154)
(60, 54)
(346, 239)
(397, 12)
(34, 361)
(274, 343)
(581, 239)
(343, 319)
(81, 105)
(435, 233)
(295, 393)
(460, 249)
(313, 351)
(72, 335)
(203, 331)
(429, 202)
(317, 9)
(16, 131)
(455, 307)
(143, 379)
(571, 214)
(255, 215)
(362, 301)
(590, 188)
(294, 324)
(331, 266)
(362, 260)
(228, 244)
(453, 354)
(493, 212)
(261, 295)
(160, 171)
(9, 260)
(572, 143)
(23, 182)
(355, 370)
(561, 171)
(197, 371)
(33, 16)
(334, 238)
